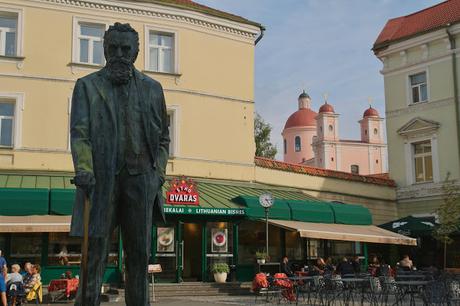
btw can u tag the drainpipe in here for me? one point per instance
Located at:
(455, 80)
(262, 30)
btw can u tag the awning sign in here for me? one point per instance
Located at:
(176, 210)
(182, 192)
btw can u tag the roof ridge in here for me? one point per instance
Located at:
(309, 170)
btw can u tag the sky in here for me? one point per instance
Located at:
(322, 46)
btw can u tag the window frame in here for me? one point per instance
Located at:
(19, 29)
(410, 160)
(76, 40)
(356, 167)
(295, 144)
(422, 155)
(18, 100)
(175, 46)
(410, 86)
(285, 145)
(173, 111)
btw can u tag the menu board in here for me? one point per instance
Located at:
(165, 239)
(219, 240)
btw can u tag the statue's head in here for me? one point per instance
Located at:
(121, 46)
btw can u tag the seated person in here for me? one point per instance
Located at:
(318, 268)
(329, 266)
(356, 264)
(14, 276)
(286, 267)
(27, 273)
(374, 265)
(406, 263)
(345, 268)
(35, 278)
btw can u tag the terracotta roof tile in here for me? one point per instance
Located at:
(191, 5)
(429, 19)
(297, 168)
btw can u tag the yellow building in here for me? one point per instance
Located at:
(204, 59)
(420, 53)
(420, 68)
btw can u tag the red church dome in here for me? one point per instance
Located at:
(326, 108)
(302, 117)
(371, 112)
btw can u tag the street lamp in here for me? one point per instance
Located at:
(266, 200)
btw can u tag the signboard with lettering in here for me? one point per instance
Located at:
(182, 192)
(184, 210)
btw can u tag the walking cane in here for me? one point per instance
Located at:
(84, 251)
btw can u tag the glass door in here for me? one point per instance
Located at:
(167, 248)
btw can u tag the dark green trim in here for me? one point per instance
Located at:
(351, 214)
(44, 254)
(61, 201)
(311, 211)
(366, 256)
(120, 252)
(204, 259)
(24, 201)
(180, 245)
(235, 243)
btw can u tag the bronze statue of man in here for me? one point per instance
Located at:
(119, 140)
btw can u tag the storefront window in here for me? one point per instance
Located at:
(64, 250)
(26, 247)
(252, 239)
(220, 238)
(342, 248)
(293, 245)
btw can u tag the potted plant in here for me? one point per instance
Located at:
(261, 257)
(220, 271)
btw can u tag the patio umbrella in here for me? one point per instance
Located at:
(411, 226)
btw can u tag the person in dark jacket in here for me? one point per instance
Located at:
(286, 267)
(345, 268)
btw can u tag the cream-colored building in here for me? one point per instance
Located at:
(420, 54)
(204, 58)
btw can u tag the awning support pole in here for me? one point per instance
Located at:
(266, 231)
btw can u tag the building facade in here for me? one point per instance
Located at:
(204, 59)
(419, 53)
(312, 139)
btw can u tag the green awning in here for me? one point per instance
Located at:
(412, 226)
(23, 201)
(280, 209)
(311, 211)
(61, 201)
(351, 214)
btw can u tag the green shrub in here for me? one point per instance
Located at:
(261, 255)
(220, 268)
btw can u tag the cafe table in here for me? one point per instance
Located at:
(411, 288)
(349, 286)
(59, 288)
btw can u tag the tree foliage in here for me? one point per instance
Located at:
(448, 212)
(262, 130)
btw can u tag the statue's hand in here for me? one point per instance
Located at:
(85, 180)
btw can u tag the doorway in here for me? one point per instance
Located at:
(192, 252)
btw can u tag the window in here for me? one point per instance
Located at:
(6, 123)
(26, 247)
(90, 43)
(173, 120)
(376, 131)
(161, 52)
(285, 146)
(423, 164)
(354, 169)
(8, 34)
(418, 86)
(298, 145)
(331, 128)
